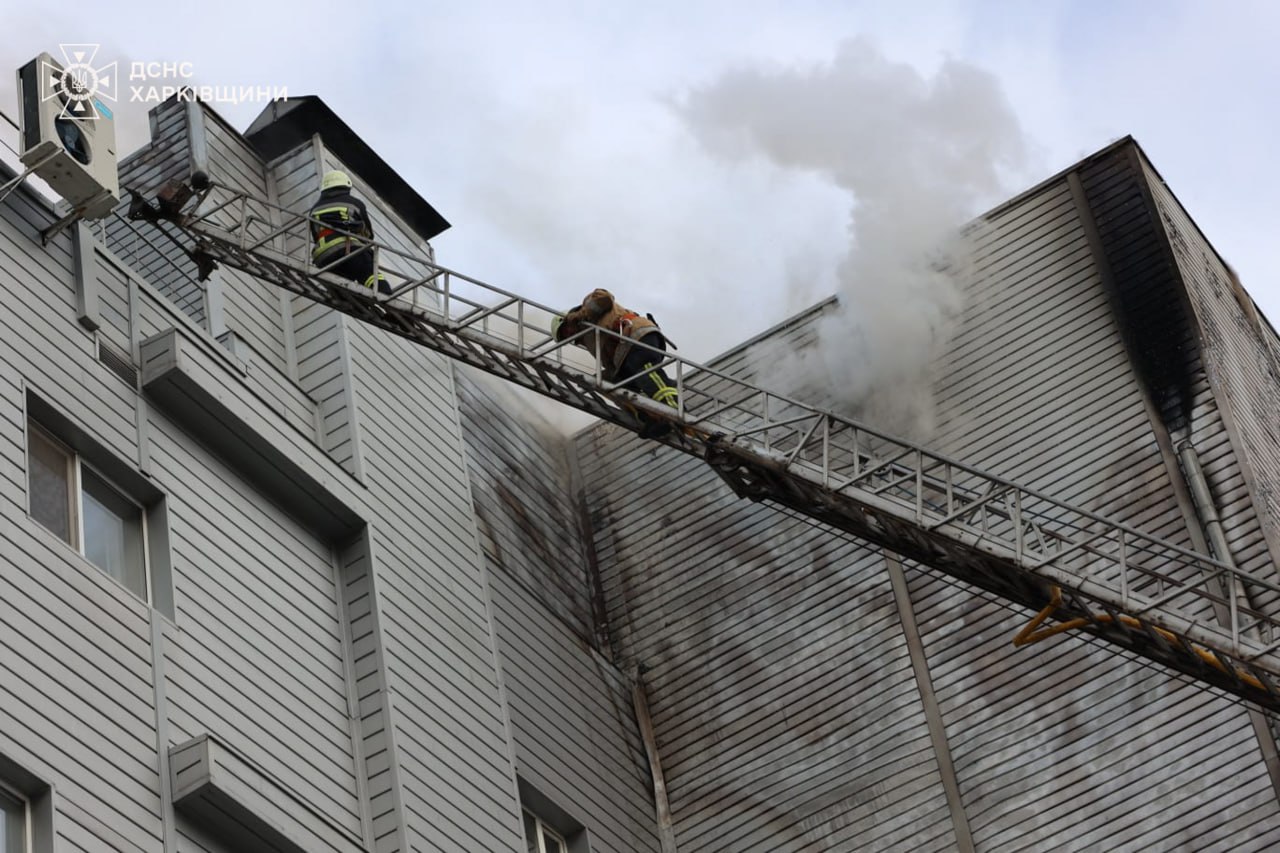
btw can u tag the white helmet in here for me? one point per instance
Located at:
(335, 179)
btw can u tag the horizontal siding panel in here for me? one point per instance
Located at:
(752, 629)
(743, 649)
(1246, 377)
(253, 311)
(456, 767)
(520, 484)
(1047, 399)
(252, 307)
(113, 303)
(285, 398)
(259, 661)
(79, 829)
(573, 724)
(297, 184)
(75, 680)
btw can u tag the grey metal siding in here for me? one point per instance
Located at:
(520, 481)
(253, 309)
(113, 305)
(296, 177)
(572, 719)
(779, 683)
(372, 699)
(259, 660)
(1243, 372)
(573, 724)
(41, 320)
(441, 666)
(778, 675)
(76, 704)
(1039, 389)
(320, 335)
(258, 657)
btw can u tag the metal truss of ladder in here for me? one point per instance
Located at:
(1151, 597)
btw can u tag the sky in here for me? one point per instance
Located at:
(723, 165)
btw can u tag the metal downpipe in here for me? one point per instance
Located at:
(1207, 511)
(1264, 724)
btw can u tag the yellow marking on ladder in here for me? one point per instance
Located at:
(1029, 635)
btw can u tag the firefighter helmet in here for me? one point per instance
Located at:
(335, 179)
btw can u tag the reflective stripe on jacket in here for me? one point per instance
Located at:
(340, 216)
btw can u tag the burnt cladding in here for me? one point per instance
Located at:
(1150, 301)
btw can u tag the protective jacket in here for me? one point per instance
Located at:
(600, 308)
(341, 214)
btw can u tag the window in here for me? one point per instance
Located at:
(548, 828)
(116, 519)
(14, 822)
(26, 810)
(540, 838)
(77, 504)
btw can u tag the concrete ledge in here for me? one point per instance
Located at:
(214, 405)
(240, 805)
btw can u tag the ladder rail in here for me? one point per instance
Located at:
(903, 448)
(839, 460)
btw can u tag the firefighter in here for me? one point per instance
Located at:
(341, 231)
(619, 359)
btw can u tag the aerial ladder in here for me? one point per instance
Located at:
(1077, 570)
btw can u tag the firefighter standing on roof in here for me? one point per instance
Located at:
(620, 360)
(341, 231)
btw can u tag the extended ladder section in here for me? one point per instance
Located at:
(1154, 598)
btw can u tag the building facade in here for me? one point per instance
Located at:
(274, 580)
(814, 693)
(309, 657)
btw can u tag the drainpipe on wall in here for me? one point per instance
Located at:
(1211, 522)
(1203, 500)
(666, 834)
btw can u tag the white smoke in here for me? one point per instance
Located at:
(918, 155)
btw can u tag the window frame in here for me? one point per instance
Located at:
(22, 799)
(75, 499)
(543, 829)
(142, 524)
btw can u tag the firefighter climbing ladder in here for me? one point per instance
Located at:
(1153, 598)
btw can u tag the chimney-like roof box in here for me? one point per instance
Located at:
(288, 123)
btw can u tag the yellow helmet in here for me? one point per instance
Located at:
(335, 179)
(555, 326)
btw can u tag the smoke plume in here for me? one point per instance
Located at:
(918, 156)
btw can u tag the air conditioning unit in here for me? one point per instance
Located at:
(68, 136)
